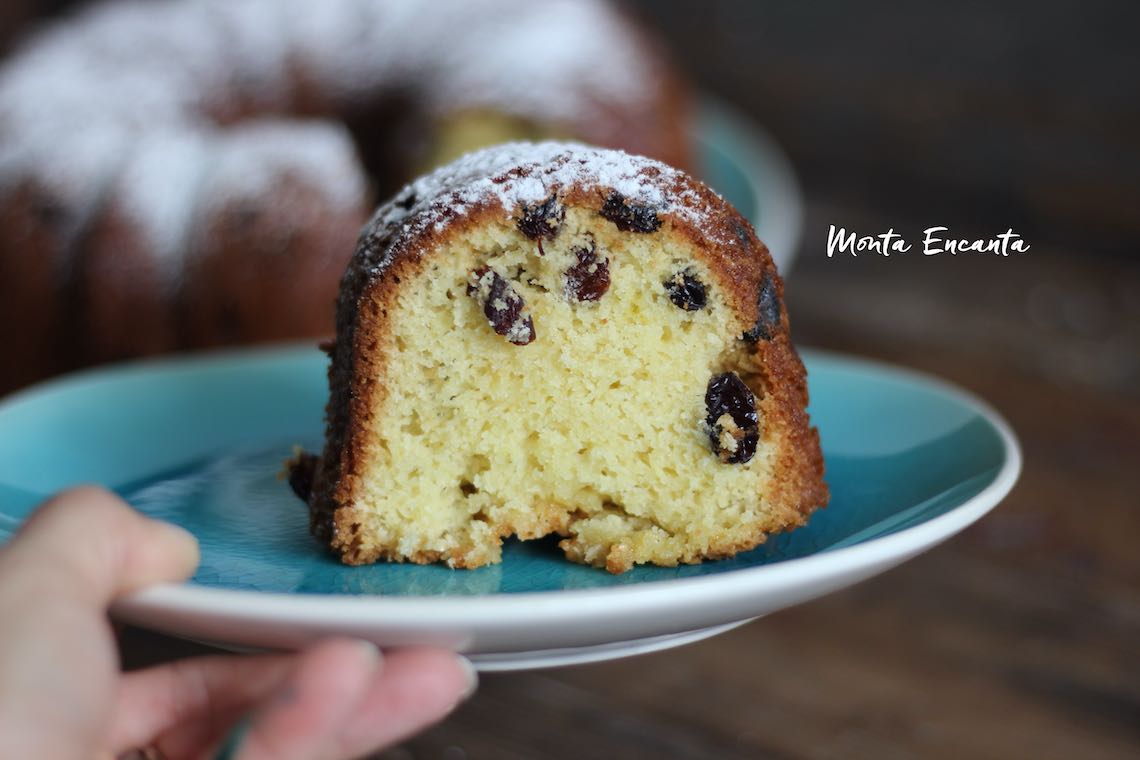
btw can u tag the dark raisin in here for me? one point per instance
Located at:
(686, 291)
(542, 220)
(589, 279)
(768, 311)
(503, 307)
(630, 217)
(731, 419)
(407, 201)
(742, 232)
(302, 468)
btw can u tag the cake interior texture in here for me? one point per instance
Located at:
(595, 430)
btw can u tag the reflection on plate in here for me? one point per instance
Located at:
(199, 441)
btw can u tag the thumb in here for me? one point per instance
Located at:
(87, 545)
(58, 668)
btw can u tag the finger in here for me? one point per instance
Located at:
(89, 545)
(58, 664)
(203, 696)
(417, 688)
(304, 718)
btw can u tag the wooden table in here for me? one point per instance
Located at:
(1021, 637)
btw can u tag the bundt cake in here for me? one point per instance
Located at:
(553, 338)
(184, 173)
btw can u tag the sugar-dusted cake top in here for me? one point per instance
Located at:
(520, 174)
(513, 181)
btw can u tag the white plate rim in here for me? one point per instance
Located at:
(502, 662)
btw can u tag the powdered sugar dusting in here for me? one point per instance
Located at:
(507, 177)
(254, 157)
(551, 60)
(73, 173)
(78, 96)
(157, 189)
(519, 174)
(554, 60)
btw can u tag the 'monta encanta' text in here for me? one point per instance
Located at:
(935, 240)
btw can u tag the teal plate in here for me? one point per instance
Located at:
(199, 441)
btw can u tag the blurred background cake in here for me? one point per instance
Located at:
(195, 173)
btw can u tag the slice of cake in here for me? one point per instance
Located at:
(552, 338)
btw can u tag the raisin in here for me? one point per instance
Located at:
(630, 217)
(542, 220)
(768, 311)
(503, 307)
(302, 468)
(686, 291)
(589, 279)
(742, 232)
(407, 201)
(731, 419)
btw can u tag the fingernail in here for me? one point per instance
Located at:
(371, 652)
(472, 677)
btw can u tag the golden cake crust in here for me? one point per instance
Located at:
(398, 243)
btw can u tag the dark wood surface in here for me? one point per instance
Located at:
(1021, 637)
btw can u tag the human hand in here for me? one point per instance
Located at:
(63, 696)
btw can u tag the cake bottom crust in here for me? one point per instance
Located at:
(614, 542)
